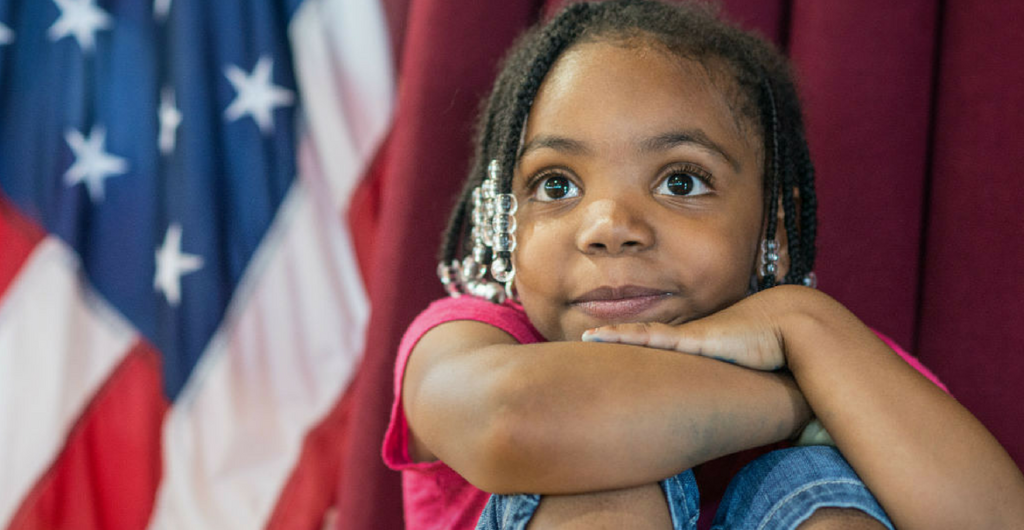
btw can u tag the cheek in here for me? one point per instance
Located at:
(540, 252)
(720, 261)
(742, 231)
(542, 263)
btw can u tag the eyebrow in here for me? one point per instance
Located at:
(695, 137)
(558, 143)
(662, 142)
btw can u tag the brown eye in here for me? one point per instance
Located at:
(554, 188)
(683, 184)
(680, 184)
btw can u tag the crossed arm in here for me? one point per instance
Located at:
(575, 417)
(572, 417)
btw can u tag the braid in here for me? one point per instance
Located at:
(808, 211)
(771, 180)
(790, 219)
(798, 177)
(557, 38)
(456, 235)
(453, 235)
(789, 207)
(765, 97)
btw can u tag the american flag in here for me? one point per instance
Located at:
(181, 309)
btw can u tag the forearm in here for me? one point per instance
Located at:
(570, 417)
(930, 463)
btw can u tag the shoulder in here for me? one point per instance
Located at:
(447, 347)
(453, 324)
(508, 317)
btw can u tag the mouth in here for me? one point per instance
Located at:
(619, 303)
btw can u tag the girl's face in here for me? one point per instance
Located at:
(640, 195)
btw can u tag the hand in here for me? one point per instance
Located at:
(748, 333)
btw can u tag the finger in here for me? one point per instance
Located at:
(690, 338)
(649, 334)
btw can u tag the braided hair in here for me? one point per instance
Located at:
(766, 100)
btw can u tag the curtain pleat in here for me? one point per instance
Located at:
(972, 313)
(866, 79)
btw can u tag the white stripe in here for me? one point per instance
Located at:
(343, 60)
(58, 344)
(274, 370)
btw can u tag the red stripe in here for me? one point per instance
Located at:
(364, 213)
(18, 236)
(312, 487)
(107, 474)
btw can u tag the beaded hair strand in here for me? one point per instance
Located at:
(771, 182)
(562, 32)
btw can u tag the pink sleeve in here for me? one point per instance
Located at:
(912, 361)
(507, 318)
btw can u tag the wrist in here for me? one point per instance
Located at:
(803, 316)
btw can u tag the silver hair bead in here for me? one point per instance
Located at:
(506, 203)
(488, 291)
(504, 223)
(769, 257)
(450, 273)
(480, 253)
(502, 270)
(473, 270)
(504, 242)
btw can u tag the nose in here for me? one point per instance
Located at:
(614, 227)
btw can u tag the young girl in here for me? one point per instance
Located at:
(630, 271)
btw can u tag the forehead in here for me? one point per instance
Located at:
(600, 90)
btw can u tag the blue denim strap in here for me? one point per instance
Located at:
(513, 512)
(508, 512)
(683, 500)
(782, 489)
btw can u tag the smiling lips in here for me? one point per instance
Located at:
(619, 303)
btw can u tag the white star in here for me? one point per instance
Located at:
(257, 97)
(160, 9)
(6, 35)
(92, 164)
(82, 19)
(172, 264)
(170, 119)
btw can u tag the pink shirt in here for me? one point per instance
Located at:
(434, 495)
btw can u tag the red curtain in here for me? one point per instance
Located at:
(912, 112)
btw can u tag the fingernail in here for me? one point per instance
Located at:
(591, 336)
